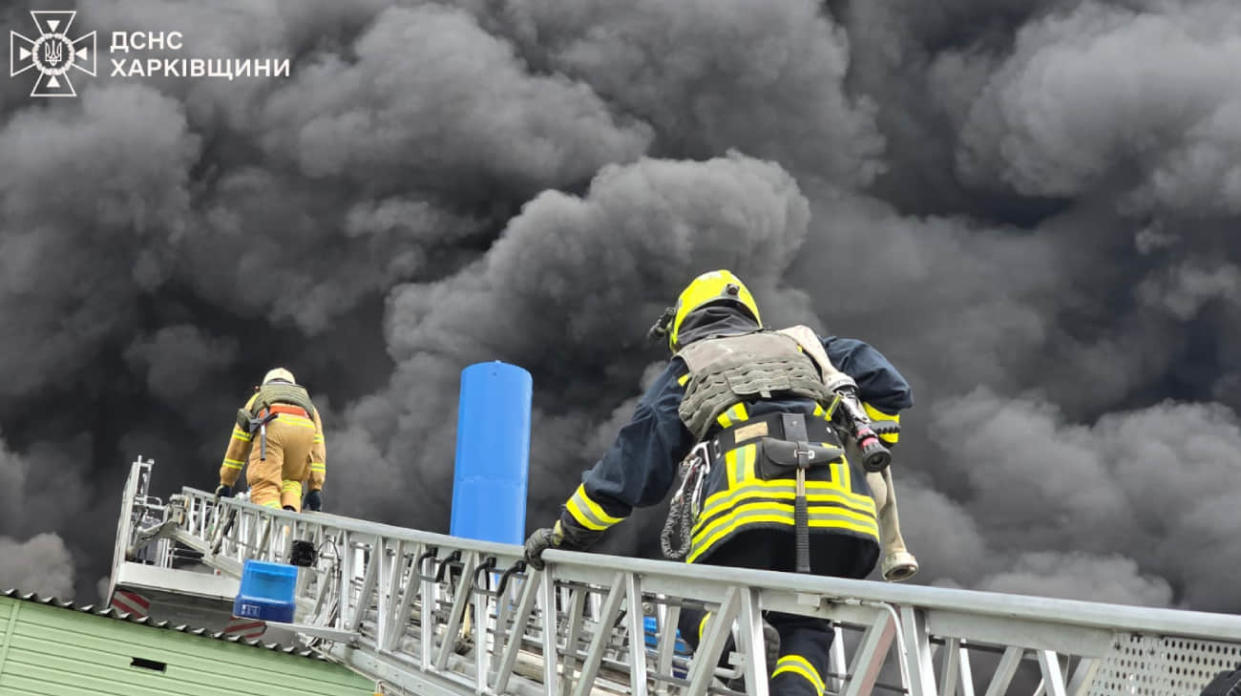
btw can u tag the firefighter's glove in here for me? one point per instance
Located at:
(540, 541)
(566, 536)
(222, 491)
(314, 501)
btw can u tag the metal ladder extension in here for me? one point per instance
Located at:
(424, 613)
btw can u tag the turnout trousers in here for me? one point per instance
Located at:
(277, 482)
(804, 641)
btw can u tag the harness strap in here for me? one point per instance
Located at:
(770, 425)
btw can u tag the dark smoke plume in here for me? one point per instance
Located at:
(1030, 207)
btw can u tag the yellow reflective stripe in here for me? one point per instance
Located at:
(580, 515)
(763, 489)
(799, 665)
(850, 519)
(683, 379)
(240, 434)
(318, 467)
(587, 512)
(739, 464)
(840, 473)
(296, 420)
(816, 491)
(318, 440)
(291, 487)
(703, 624)
(736, 520)
(232, 464)
(730, 466)
(595, 508)
(736, 413)
(783, 513)
(877, 416)
(272, 504)
(831, 409)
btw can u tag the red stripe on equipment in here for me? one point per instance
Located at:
(125, 601)
(246, 628)
(137, 599)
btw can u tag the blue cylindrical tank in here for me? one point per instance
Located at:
(493, 453)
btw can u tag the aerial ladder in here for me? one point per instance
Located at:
(425, 613)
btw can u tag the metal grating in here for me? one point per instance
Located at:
(1154, 666)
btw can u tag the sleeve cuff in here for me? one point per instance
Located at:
(587, 513)
(877, 416)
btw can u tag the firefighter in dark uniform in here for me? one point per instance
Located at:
(748, 392)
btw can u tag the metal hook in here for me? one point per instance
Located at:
(518, 567)
(453, 558)
(486, 565)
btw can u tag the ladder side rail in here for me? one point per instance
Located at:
(1011, 607)
(1049, 630)
(1061, 613)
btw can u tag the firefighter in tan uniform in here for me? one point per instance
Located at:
(295, 448)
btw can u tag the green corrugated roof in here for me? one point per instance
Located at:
(50, 649)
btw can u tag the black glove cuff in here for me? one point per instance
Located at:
(577, 537)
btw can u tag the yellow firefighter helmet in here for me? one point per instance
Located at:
(278, 374)
(708, 288)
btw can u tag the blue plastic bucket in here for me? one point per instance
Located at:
(266, 592)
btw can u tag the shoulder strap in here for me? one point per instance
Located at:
(812, 346)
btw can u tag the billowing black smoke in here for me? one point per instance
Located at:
(1029, 206)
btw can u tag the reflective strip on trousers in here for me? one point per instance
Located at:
(796, 664)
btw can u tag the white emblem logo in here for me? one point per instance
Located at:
(52, 53)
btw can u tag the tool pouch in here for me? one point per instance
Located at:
(779, 458)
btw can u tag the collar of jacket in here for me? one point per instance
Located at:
(714, 321)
